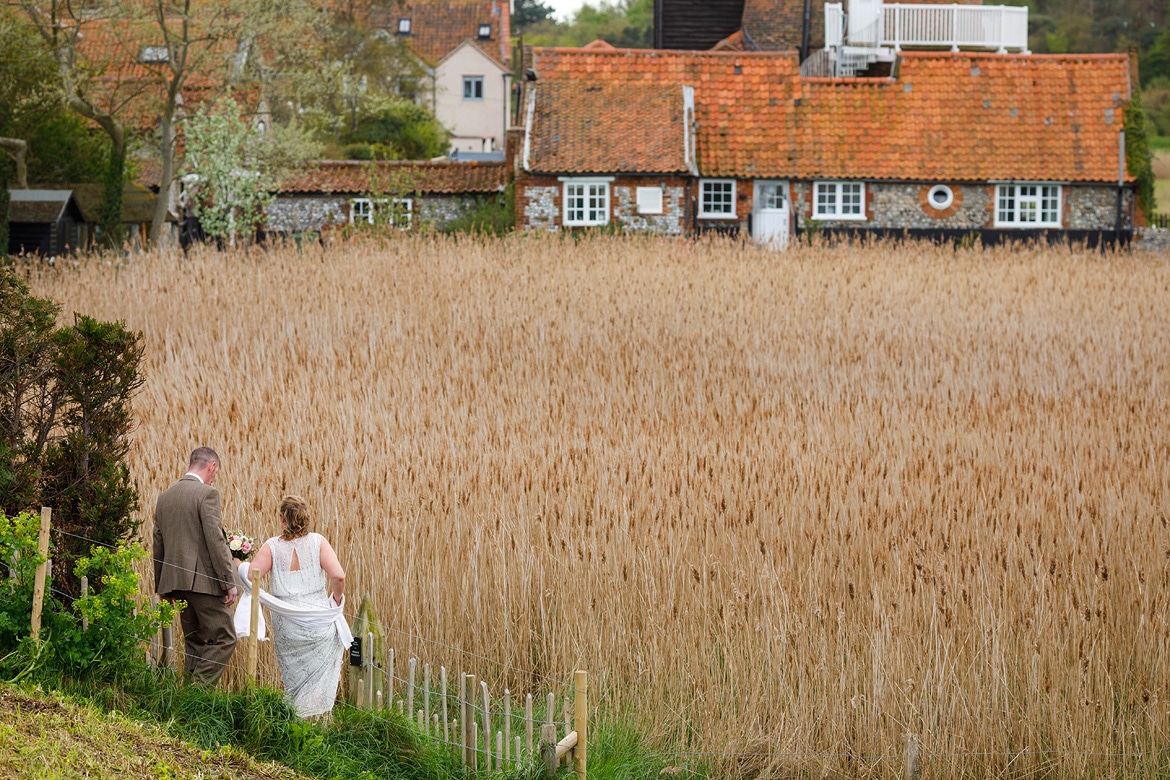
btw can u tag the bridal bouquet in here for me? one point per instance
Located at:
(242, 546)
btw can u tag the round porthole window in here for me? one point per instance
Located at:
(940, 197)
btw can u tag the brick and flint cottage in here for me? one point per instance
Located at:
(948, 144)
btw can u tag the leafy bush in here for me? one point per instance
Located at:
(18, 564)
(407, 130)
(493, 215)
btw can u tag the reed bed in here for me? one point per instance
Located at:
(786, 508)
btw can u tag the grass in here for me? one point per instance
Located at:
(783, 507)
(48, 736)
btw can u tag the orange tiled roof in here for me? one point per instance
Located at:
(357, 177)
(438, 26)
(945, 116)
(969, 117)
(575, 132)
(743, 103)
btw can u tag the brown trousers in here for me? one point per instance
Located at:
(209, 636)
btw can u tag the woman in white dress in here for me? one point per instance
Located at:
(303, 564)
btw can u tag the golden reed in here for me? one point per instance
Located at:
(801, 504)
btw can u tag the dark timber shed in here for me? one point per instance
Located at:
(43, 222)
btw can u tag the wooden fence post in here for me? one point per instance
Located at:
(84, 594)
(443, 680)
(371, 670)
(427, 691)
(580, 720)
(508, 725)
(469, 719)
(528, 722)
(390, 678)
(911, 770)
(487, 724)
(548, 748)
(410, 666)
(42, 571)
(253, 625)
(472, 747)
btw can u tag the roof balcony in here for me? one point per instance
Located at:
(871, 24)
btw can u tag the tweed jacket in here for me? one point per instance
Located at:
(190, 550)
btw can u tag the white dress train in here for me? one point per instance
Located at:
(310, 657)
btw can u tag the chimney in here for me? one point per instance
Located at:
(506, 31)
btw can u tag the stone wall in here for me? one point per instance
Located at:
(1095, 208)
(539, 207)
(538, 204)
(314, 213)
(301, 215)
(670, 222)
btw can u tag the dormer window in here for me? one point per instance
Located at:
(152, 55)
(404, 26)
(485, 32)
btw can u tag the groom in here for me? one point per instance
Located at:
(192, 563)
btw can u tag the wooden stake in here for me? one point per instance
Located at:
(580, 720)
(487, 724)
(427, 691)
(499, 750)
(379, 694)
(84, 594)
(368, 658)
(361, 693)
(507, 724)
(911, 770)
(516, 752)
(401, 710)
(549, 709)
(253, 625)
(422, 724)
(528, 722)
(443, 681)
(435, 726)
(568, 718)
(474, 745)
(168, 640)
(410, 667)
(548, 748)
(461, 749)
(390, 676)
(464, 736)
(41, 573)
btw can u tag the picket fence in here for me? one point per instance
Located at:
(463, 719)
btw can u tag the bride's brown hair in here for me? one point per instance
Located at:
(294, 512)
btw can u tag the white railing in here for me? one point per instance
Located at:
(834, 25)
(999, 28)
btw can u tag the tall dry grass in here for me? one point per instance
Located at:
(792, 505)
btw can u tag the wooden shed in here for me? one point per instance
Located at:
(44, 222)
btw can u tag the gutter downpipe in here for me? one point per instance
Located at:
(805, 32)
(1120, 182)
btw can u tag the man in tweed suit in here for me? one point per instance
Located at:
(192, 563)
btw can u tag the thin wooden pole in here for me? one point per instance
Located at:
(427, 691)
(390, 677)
(422, 724)
(168, 640)
(443, 681)
(410, 667)
(910, 771)
(580, 720)
(550, 710)
(370, 670)
(41, 573)
(380, 703)
(468, 716)
(516, 752)
(528, 722)
(462, 750)
(474, 745)
(567, 718)
(84, 594)
(507, 724)
(435, 726)
(253, 625)
(487, 724)
(499, 750)
(548, 748)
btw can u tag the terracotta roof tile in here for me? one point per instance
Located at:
(438, 26)
(946, 116)
(353, 177)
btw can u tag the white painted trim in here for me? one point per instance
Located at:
(568, 181)
(734, 195)
(1059, 223)
(940, 206)
(688, 130)
(838, 216)
(528, 125)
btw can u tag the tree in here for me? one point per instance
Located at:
(64, 422)
(397, 129)
(529, 12)
(624, 23)
(230, 184)
(62, 27)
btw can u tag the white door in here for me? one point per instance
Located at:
(772, 216)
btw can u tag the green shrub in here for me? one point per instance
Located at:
(492, 215)
(18, 564)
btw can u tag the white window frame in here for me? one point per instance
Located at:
(1016, 201)
(836, 189)
(472, 81)
(369, 207)
(484, 32)
(590, 214)
(703, 212)
(404, 24)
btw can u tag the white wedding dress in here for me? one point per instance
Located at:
(310, 657)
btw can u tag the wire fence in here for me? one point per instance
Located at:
(470, 705)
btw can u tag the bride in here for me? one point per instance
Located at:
(309, 652)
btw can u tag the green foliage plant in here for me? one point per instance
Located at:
(1137, 153)
(111, 229)
(404, 130)
(492, 215)
(18, 563)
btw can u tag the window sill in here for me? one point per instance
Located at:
(586, 224)
(718, 216)
(839, 218)
(1028, 225)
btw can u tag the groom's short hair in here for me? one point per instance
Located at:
(202, 456)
